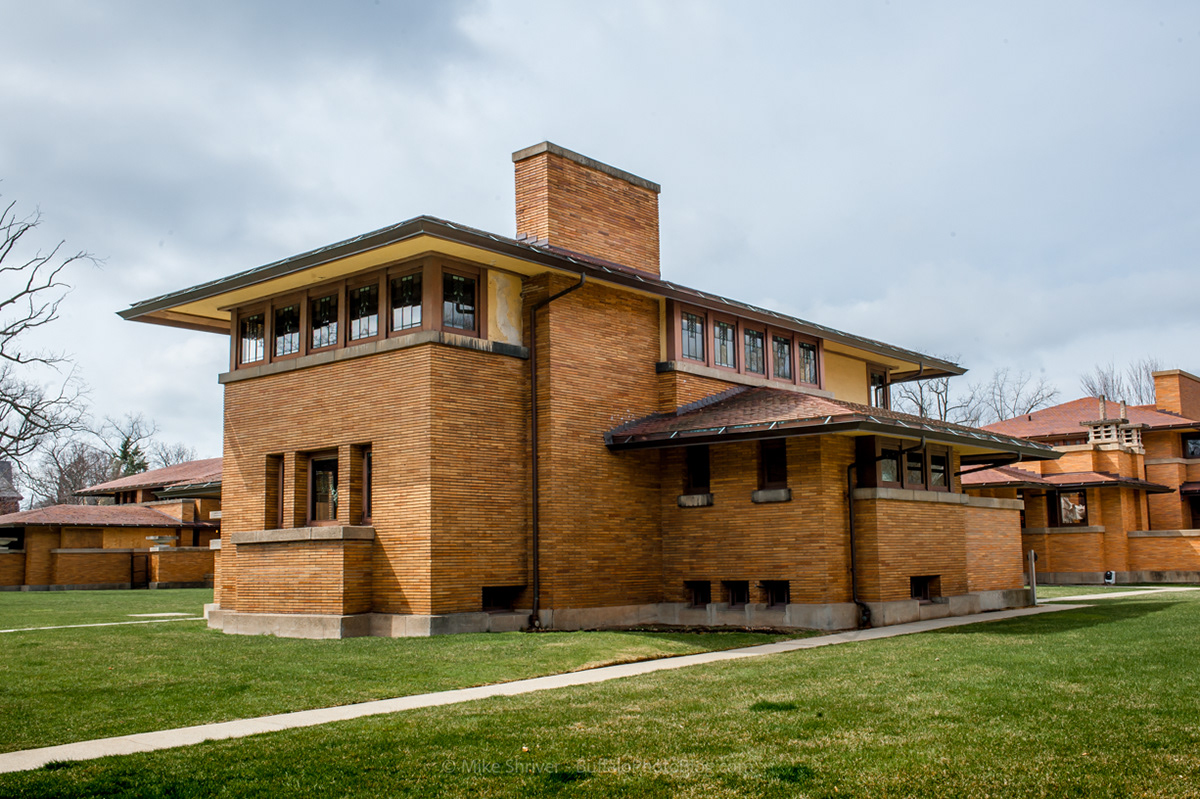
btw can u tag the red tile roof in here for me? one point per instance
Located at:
(1013, 477)
(1068, 418)
(188, 473)
(95, 516)
(743, 412)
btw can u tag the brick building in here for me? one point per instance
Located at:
(431, 428)
(1123, 498)
(112, 545)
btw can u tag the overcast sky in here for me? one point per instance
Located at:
(1017, 184)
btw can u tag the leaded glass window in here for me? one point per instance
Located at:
(253, 338)
(781, 357)
(324, 503)
(725, 344)
(364, 312)
(287, 330)
(406, 302)
(323, 312)
(938, 471)
(755, 352)
(692, 336)
(458, 301)
(889, 466)
(914, 468)
(807, 354)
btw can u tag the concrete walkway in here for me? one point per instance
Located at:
(184, 736)
(98, 624)
(1118, 594)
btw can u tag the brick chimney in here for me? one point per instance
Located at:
(567, 200)
(1177, 391)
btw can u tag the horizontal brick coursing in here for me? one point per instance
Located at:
(181, 567)
(91, 568)
(12, 568)
(1164, 554)
(993, 539)
(899, 540)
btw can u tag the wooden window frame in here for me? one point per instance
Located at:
(744, 328)
(277, 304)
(402, 271)
(773, 590)
(1054, 509)
(704, 326)
(932, 451)
(736, 590)
(238, 317)
(310, 498)
(872, 371)
(338, 291)
(784, 335)
(479, 275)
(698, 589)
(732, 321)
(379, 279)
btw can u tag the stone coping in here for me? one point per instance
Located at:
(1164, 534)
(374, 348)
(583, 160)
(180, 549)
(98, 550)
(694, 500)
(700, 370)
(764, 495)
(292, 534)
(941, 497)
(1099, 528)
(214, 544)
(12, 552)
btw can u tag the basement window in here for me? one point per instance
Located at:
(778, 593)
(364, 311)
(925, 588)
(501, 598)
(738, 592)
(323, 313)
(691, 336)
(698, 592)
(406, 301)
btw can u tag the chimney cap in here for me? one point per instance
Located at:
(591, 163)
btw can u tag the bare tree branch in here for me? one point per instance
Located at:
(163, 455)
(1009, 394)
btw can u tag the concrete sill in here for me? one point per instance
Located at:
(292, 534)
(695, 500)
(765, 495)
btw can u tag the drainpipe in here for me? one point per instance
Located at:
(534, 620)
(864, 612)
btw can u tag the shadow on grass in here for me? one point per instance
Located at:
(1065, 620)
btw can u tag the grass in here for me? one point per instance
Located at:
(69, 685)
(1095, 702)
(1055, 591)
(22, 610)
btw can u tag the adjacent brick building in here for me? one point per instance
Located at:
(1122, 502)
(430, 428)
(113, 545)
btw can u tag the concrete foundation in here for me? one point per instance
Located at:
(830, 616)
(1123, 578)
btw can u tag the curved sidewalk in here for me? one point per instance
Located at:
(184, 736)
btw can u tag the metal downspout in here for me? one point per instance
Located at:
(535, 541)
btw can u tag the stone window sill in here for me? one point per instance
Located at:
(695, 500)
(765, 495)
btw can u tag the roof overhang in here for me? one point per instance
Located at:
(207, 307)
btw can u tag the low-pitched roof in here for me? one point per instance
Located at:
(1067, 419)
(753, 413)
(189, 472)
(95, 516)
(1012, 477)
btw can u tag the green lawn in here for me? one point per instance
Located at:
(69, 685)
(21, 609)
(1095, 702)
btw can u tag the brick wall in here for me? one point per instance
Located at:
(91, 568)
(803, 541)
(39, 563)
(680, 388)
(583, 209)
(993, 549)
(1177, 392)
(305, 577)
(1164, 554)
(12, 568)
(1066, 552)
(181, 566)
(897, 540)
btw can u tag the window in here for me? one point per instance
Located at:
(926, 587)
(368, 479)
(363, 303)
(16, 536)
(1068, 507)
(458, 301)
(699, 592)
(877, 396)
(778, 593)
(287, 330)
(808, 362)
(500, 598)
(738, 592)
(725, 344)
(274, 491)
(781, 357)
(406, 301)
(696, 477)
(755, 352)
(772, 456)
(939, 471)
(323, 316)
(323, 489)
(1191, 445)
(252, 337)
(914, 469)
(691, 344)
(889, 466)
